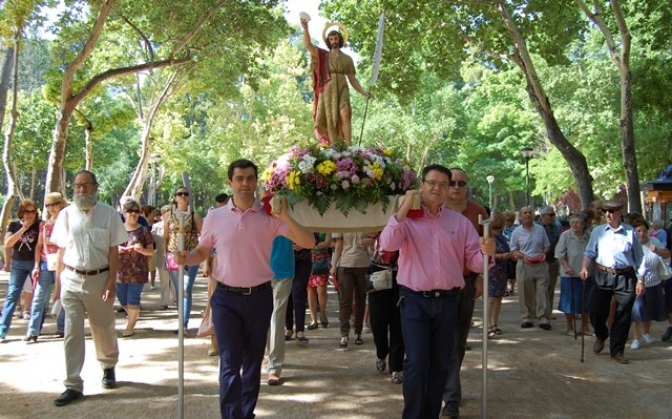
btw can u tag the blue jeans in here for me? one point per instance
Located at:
(241, 326)
(21, 270)
(429, 329)
(38, 310)
(191, 272)
(60, 323)
(129, 294)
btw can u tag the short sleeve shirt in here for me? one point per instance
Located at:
(24, 248)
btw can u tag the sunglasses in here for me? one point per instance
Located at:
(552, 214)
(181, 193)
(30, 211)
(133, 211)
(52, 205)
(458, 183)
(610, 210)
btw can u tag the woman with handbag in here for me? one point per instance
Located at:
(192, 228)
(44, 272)
(650, 306)
(385, 317)
(319, 278)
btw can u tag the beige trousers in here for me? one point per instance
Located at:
(82, 296)
(532, 279)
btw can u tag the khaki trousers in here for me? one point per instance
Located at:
(532, 281)
(82, 296)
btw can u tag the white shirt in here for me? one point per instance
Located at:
(87, 237)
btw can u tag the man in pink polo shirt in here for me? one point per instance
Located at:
(242, 234)
(434, 248)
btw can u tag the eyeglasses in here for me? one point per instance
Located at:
(30, 211)
(181, 193)
(85, 185)
(434, 184)
(52, 205)
(133, 211)
(458, 183)
(610, 210)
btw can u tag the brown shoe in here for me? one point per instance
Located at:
(620, 358)
(598, 346)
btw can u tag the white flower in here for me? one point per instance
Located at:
(306, 164)
(355, 179)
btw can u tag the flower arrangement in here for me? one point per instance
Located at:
(348, 176)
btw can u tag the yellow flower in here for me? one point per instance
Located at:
(377, 171)
(267, 174)
(293, 179)
(387, 152)
(326, 168)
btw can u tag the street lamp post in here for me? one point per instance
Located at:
(153, 160)
(527, 154)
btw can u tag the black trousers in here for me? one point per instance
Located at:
(452, 393)
(296, 304)
(622, 288)
(385, 321)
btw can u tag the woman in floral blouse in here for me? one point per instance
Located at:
(133, 265)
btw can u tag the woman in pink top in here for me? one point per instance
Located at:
(44, 272)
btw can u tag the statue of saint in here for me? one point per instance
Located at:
(331, 107)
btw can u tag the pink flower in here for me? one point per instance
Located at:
(345, 185)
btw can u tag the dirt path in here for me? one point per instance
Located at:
(531, 374)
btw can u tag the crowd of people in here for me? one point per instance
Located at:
(264, 274)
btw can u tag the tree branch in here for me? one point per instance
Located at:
(86, 51)
(124, 70)
(597, 19)
(148, 44)
(196, 28)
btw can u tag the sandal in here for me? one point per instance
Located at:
(358, 340)
(344, 342)
(312, 326)
(498, 331)
(288, 337)
(396, 377)
(381, 365)
(273, 380)
(491, 333)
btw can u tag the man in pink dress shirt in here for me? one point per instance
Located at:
(434, 248)
(242, 234)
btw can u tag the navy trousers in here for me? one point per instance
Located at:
(428, 325)
(241, 325)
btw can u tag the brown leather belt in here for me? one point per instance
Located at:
(88, 273)
(623, 271)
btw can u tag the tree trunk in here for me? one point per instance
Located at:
(628, 143)
(575, 159)
(88, 146)
(4, 83)
(137, 183)
(12, 190)
(626, 121)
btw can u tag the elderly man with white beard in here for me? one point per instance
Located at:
(87, 235)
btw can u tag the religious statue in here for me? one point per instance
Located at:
(331, 107)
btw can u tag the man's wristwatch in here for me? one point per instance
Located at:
(640, 281)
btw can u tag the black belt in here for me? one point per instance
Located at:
(88, 273)
(245, 290)
(432, 293)
(623, 271)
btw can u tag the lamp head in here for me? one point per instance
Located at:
(490, 179)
